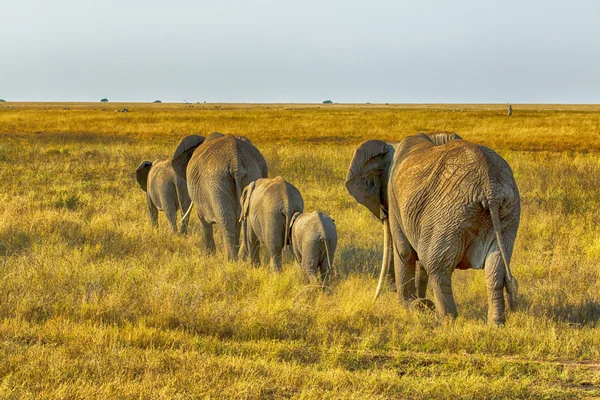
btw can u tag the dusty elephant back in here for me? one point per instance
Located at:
(274, 202)
(222, 164)
(314, 227)
(447, 188)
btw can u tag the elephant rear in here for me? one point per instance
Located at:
(314, 241)
(216, 169)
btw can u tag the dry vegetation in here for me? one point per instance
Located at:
(96, 304)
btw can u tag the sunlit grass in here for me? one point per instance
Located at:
(95, 303)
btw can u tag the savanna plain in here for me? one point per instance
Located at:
(95, 303)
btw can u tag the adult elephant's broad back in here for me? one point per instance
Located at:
(446, 203)
(216, 170)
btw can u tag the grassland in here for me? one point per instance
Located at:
(94, 303)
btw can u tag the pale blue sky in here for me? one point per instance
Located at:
(424, 51)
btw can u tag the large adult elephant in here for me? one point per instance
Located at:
(216, 170)
(446, 203)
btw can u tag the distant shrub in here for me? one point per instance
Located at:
(327, 102)
(104, 100)
(2, 101)
(157, 101)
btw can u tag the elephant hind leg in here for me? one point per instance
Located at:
(274, 243)
(208, 239)
(231, 233)
(309, 264)
(152, 212)
(404, 268)
(254, 244)
(422, 280)
(441, 284)
(171, 214)
(494, 278)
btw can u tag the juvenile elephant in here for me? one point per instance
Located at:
(313, 238)
(448, 205)
(267, 209)
(216, 170)
(165, 191)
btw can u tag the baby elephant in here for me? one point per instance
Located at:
(267, 209)
(165, 191)
(314, 238)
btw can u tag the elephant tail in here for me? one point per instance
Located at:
(510, 282)
(238, 174)
(288, 219)
(187, 213)
(324, 239)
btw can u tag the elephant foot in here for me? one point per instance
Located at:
(422, 305)
(391, 285)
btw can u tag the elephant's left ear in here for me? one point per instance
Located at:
(366, 180)
(184, 152)
(142, 174)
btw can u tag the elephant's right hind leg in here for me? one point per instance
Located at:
(494, 278)
(309, 265)
(275, 245)
(254, 245)
(421, 279)
(441, 283)
(207, 236)
(171, 214)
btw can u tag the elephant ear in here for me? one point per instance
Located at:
(142, 174)
(245, 199)
(440, 138)
(368, 174)
(184, 152)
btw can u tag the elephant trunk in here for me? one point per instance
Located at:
(387, 250)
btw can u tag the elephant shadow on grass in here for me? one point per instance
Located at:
(358, 260)
(580, 313)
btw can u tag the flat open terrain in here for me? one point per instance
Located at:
(94, 303)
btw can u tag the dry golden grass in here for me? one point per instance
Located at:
(94, 303)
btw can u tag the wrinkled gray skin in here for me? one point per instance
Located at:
(314, 240)
(216, 170)
(267, 209)
(448, 205)
(165, 191)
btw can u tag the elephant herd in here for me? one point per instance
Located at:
(444, 204)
